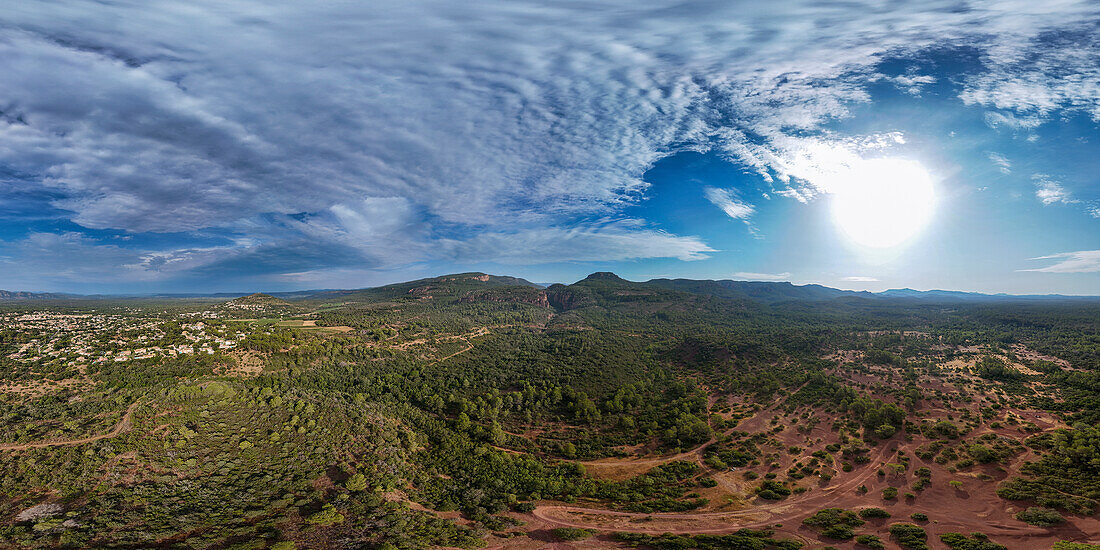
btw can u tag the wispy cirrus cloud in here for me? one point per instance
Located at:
(728, 201)
(1082, 261)
(1001, 162)
(859, 279)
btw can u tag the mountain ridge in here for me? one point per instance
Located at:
(766, 291)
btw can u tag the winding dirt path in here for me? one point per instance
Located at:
(615, 462)
(787, 512)
(124, 425)
(707, 522)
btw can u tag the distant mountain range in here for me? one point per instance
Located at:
(758, 291)
(7, 295)
(784, 291)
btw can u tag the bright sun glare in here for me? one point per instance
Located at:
(883, 202)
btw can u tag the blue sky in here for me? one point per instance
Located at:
(244, 145)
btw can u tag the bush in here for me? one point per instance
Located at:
(1042, 517)
(772, 490)
(838, 532)
(909, 536)
(958, 541)
(868, 513)
(871, 541)
(890, 493)
(833, 516)
(837, 523)
(919, 516)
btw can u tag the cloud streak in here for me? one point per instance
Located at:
(728, 202)
(1082, 261)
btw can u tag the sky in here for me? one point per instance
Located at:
(232, 146)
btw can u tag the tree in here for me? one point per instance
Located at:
(496, 434)
(356, 483)
(568, 449)
(462, 423)
(327, 516)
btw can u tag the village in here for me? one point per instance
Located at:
(76, 339)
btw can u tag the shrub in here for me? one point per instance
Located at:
(871, 541)
(890, 493)
(919, 516)
(838, 532)
(833, 516)
(1042, 517)
(772, 490)
(958, 541)
(909, 536)
(885, 431)
(868, 513)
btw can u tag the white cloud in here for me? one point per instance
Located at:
(1082, 261)
(1029, 80)
(912, 84)
(1013, 122)
(1001, 162)
(1050, 192)
(859, 279)
(750, 276)
(606, 241)
(1095, 211)
(728, 202)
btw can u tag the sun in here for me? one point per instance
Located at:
(882, 203)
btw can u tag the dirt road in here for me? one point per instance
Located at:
(124, 425)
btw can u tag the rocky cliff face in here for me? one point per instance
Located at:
(563, 298)
(521, 295)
